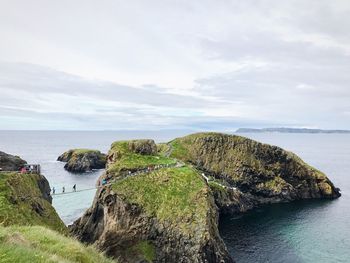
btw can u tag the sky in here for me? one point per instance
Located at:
(161, 64)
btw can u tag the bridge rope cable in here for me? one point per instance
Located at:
(139, 172)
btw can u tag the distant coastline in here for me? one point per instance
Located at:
(290, 130)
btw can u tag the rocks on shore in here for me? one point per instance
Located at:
(83, 160)
(10, 162)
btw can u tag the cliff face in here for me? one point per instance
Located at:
(166, 214)
(261, 173)
(83, 160)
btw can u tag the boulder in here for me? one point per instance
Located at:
(83, 160)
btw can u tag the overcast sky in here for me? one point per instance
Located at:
(204, 65)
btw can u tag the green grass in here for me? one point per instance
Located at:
(163, 148)
(176, 195)
(20, 197)
(232, 155)
(84, 151)
(132, 161)
(36, 244)
(179, 150)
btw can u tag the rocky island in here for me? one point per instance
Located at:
(83, 160)
(162, 202)
(30, 229)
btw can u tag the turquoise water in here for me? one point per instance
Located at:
(310, 231)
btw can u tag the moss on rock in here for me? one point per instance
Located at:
(23, 203)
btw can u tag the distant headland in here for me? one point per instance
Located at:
(290, 130)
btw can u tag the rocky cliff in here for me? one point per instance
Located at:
(83, 160)
(260, 173)
(162, 205)
(165, 213)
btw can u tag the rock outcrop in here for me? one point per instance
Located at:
(163, 206)
(145, 147)
(10, 162)
(83, 160)
(261, 173)
(165, 215)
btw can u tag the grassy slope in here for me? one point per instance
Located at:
(38, 244)
(19, 197)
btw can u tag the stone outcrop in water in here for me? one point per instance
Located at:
(83, 160)
(170, 214)
(10, 162)
(261, 173)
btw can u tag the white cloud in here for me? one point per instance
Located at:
(174, 63)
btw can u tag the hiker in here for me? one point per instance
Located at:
(63, 189)
(53, 190)
(74, 188)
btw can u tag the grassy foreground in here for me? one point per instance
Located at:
(37, 244)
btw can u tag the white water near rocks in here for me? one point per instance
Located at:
(297, 232)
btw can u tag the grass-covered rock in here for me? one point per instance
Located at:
(161, 202)
(166, 214)
(25, 200)
(133, 155)
(83, 160)
(262, 172)
(30, 229)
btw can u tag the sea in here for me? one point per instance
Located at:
(305, 231)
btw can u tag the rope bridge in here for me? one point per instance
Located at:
(141, 171)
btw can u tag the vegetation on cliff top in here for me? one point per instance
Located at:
(37, 244)
(126, 159)
(176, 195)
(21, 202)
(253, 166)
